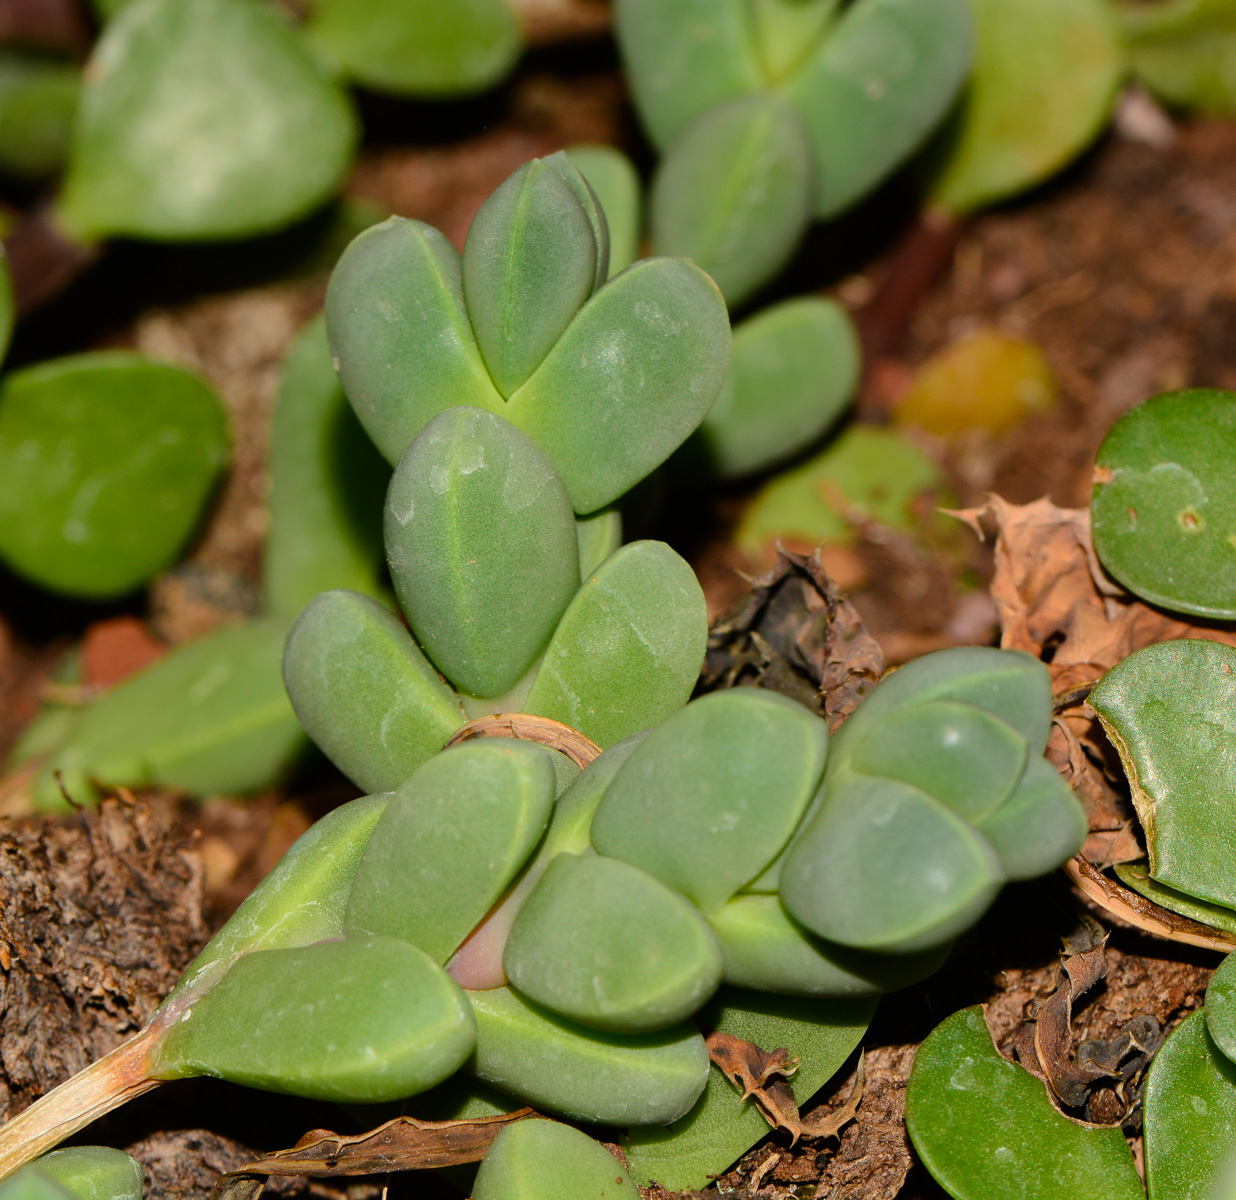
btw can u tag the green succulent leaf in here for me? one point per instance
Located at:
(1190, 1115)
(628, 650)
(734, 192)
(879, 83)
(402, 342)
(605, 944)
(106, 463)
(1046, 74)
(616, 186)
(984, 1127)
(682, 57)
(1170, 711)
(38, 98)
(586, 1074)
(94, 1172)
(1136, 875)
(482, 547)
(32, 1183)
(598, 536)
(359, 1020)
(543, 1160)
(643, 361)
(1039, 827)
(8, 304)
(787, 32)
(794, 369)
(1184, 51)
(327, 486)
(364, 692)
(166, 144)
(529, 264)
(721, 1126)
(449, 843)
(1163, 509)
(302, 899)
(210, 717)
(418, 47)
(1221, 1007)
(712, 795)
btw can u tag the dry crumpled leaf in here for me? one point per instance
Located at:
(796, 634)
(763, 1076)
(403, 1144)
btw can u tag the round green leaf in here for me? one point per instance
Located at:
(606, 944)
(711, 796)
(1041, 825)
(794, 369)
(482, 548)
(617, 187)
(984, 1126)
(598, 536)
(585, 1074)
(38, 98)
(1170, 711)
(95, 1172)
(787, 32)
(364, 692)
(1046, 73)
(734, 192)
(419, 47)
(1184, 51)
(1221, 1007)
(106, 462)
(1136, 875)
(203, 120)
(32, 1183)
(1163, 509)
(543, 1160)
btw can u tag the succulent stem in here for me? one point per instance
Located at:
(526, 728)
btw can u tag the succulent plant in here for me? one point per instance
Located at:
(1182, 51)
(80, 1173)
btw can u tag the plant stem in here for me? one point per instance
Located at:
(43, 260)
(104, 1085)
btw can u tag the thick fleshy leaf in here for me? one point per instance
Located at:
(607, 1078)
(418, 47)
(712, 794)
(1136, 875)
(794, 369)
(1184, 51)
(32, 1183)
(984, 1126)
(38, 98)
(1045, 77)
(883, 866)
(302, 899)
(210, 717)
(881, 80)
(616, 186)
(629, 380)
(106, 463)
(1190, 1115)
(599, 536)
(682, 57)
(765, 949)
(327, 484)
(734, 192)
(358, 1021)
(545, 1160)
(1040, 827)
(529, 264)
(605, 944)
(200, 121)
(721, 1126)
(449, 843)
(482, 548)
(402, 342)
(1163, 509)
(364, 692)
(628, 650)
(1221, 1007)
(95, 1172)
(1170, 711)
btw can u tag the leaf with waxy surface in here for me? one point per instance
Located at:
(617, 187)
(169, 143)
(418, 47)
(794, 368)
(38, 98)
(1221, 1007)
(721, 1126)
(94, 1172)
(786, 32)
(364, 691)
(450, 842)
(209, 717)
(482, 548)
(586, 1074)
(1136, 875)
(545, 1160)
(1170, 711)
(1163, 509)
(711, 796)
(877, 85)
(605, 944)
(358, 1020)
(628, 649)
(984, 1126)
(1190, 1115)
(32, 1183)
(106, 463)
(598, 536)
(734, 192)
(1046, 74)
(1184, 51)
